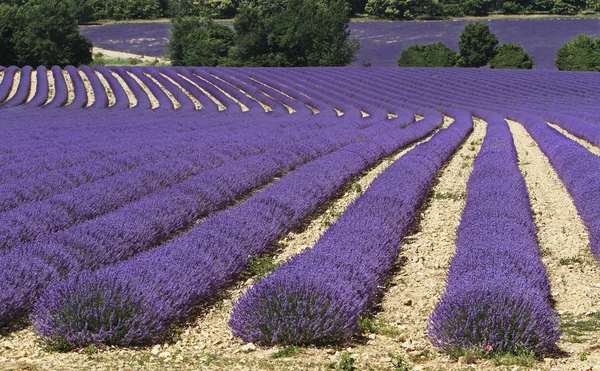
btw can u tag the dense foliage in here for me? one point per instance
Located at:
(477, 45)
(41, 33)
(199, 42)
(293, 33)
(269, 33)
(579, 54)
(512, 56)
(410, 9)
(432, 55)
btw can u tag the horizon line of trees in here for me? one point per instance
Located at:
(92, 10)
(280, 33)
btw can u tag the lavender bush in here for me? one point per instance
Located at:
(319, 295)
(497, 297)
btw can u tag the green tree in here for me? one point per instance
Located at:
(42, 32)
(477, 45)
(199, 42)
(432, 55)
(293, 33)
(357, 6)
(8, 26)
(579, 54)
(512, 56)
(403, 9)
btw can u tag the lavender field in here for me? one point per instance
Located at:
(298, 218)
(382, 41)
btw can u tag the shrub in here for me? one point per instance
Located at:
(199, 42)
(403, 9)
(512, 56)
(432, 55)
(476, 7)
(129, 9)
(113, 314)
(293, 33)
(563, 7)
(509, 7)
(42, 33)
(319, 316)
(579, 54)
(477, 45)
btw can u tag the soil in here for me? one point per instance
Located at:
(15, 85)
(124, 55)
(32, 86)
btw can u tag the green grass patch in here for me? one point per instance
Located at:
(262, 265)
(571, 260)
(399, 363)
(472, 356)
(288, 351)
(368, 325)
(578, 329)
(450, 196)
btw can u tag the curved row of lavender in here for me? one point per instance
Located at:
(319, 295)
(102, 189)
(577, 167)
(145, 295)
(497, 293)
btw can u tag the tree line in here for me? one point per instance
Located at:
(274, 33)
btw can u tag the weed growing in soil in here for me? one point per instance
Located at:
(571, 260)
(368, 325)
(583, 356)
(577, 329)
(288, 351)
(346, 363)
(399, 363)
(262, 265)
(471, 356)
(90, 350)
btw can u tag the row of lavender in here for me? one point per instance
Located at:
(319, 295)
(114, 218)
(280, 91)
(107, 213)
(146, 294)
(497, 295)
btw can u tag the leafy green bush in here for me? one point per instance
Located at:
(41, 33)
(404, 9)
(199, 42)
(579, 54)
(563, 7)
(432, 55)
(509, 7)
(293, 33)
(477, 7)
(477, 45)
(129, 9)
(512, 56)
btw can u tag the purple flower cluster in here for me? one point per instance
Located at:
(168, 281)
(577, 167)
(497, 295)
(117, 219)
(122, 224)
(318, 296)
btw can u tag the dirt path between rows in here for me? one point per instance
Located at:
(572, 270)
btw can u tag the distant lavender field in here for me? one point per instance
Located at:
(381, 42)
